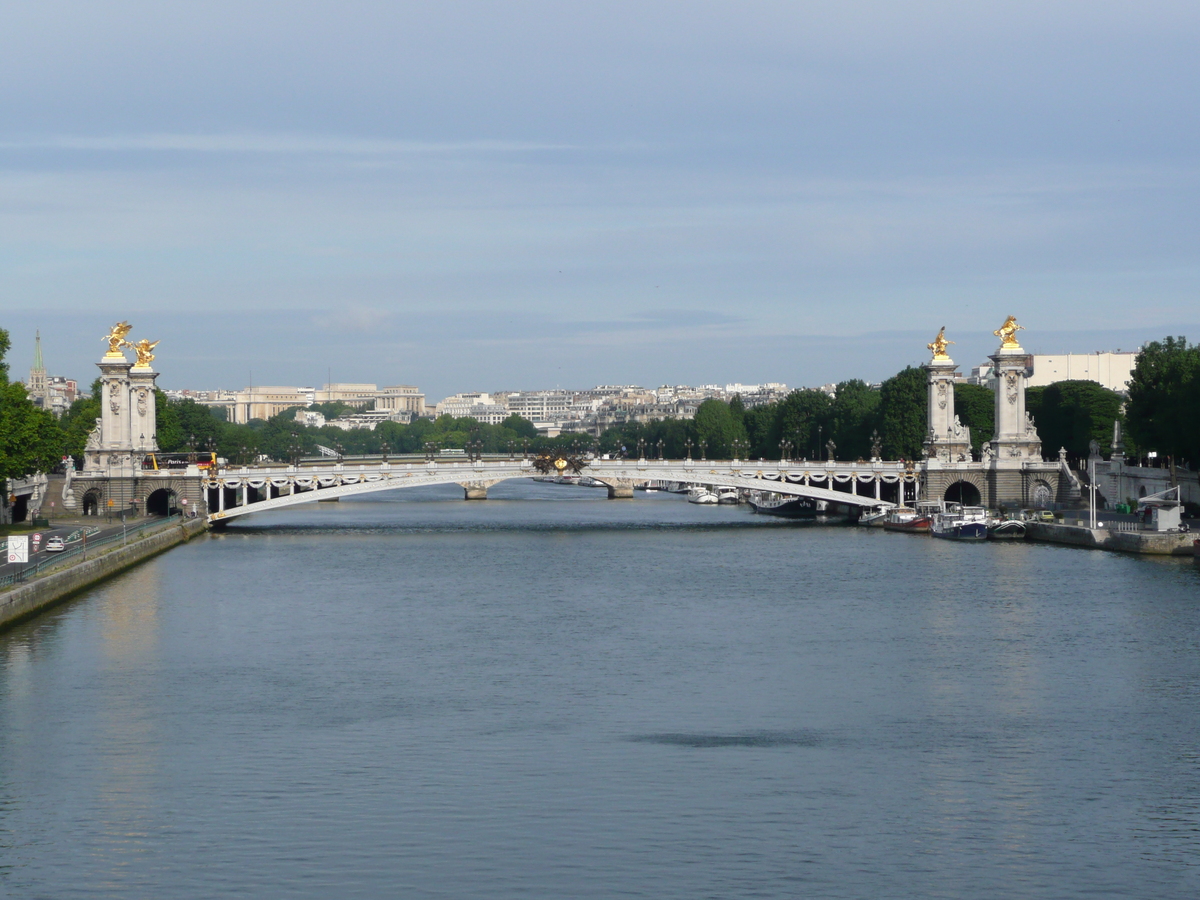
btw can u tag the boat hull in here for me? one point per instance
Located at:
(916, 526)
(1007, 531)
(969, 531)
(800, 508)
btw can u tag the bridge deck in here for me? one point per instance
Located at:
(304, 484)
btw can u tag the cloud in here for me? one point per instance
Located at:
(269, 143)
(355, 320)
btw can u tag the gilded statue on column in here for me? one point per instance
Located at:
(939, 345)
(1008, 334)
(143, 348)
(116, 339)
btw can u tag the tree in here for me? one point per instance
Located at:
(802, 417)
(1072, 414)
(903, 408)
(1163, 413)
(975, 407)
(79, 420)
(716, 426)
(520, 426)
(852, 417)
(30, 439)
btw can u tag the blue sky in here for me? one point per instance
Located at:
(511, 195)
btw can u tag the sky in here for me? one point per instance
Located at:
(484, 195)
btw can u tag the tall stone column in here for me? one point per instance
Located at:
(115, 450)
(143, 418)
(946, 438)
(1015, 438)
(1015, 453)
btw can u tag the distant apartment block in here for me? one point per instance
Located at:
(1112, 370)
(397, 403)
(594, 409)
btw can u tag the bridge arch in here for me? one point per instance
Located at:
(234, 493)
(92, 501)
(162, 502)
(963, 491)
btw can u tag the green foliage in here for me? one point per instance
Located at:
(1072, 414)
(852, 417)
(975, 407)
(335, 409)
(30, 439)
(717, 427)
(78, 421)
(1164, 399)
(802, 417)
(519, 426)
(903, 406)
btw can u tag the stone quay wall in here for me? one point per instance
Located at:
(23, 601)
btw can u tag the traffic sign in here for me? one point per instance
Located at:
(18, 548)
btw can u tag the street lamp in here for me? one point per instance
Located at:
(385, 448)
(688, 445)
(703, 449)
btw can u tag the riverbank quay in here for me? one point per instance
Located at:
(1104, 538)
(54, 581)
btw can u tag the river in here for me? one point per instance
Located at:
(554, 695)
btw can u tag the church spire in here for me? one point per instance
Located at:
(37, 353)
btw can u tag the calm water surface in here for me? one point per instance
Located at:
(553, 695)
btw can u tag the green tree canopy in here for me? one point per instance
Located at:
(853, 416)
(1072, 414)
(975, 407)
(1163, 413)
(902, 414)
(716, 425)
(30, 439)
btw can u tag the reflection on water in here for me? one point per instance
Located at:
(550, 694)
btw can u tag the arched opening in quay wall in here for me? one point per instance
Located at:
(963, 492)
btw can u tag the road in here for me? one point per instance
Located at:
(63, 531)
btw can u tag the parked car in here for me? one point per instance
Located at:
(55, 545)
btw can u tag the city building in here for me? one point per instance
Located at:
(52, 392)
(1112, 370)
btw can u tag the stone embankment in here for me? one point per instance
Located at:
(1147, 542)
(29, 598)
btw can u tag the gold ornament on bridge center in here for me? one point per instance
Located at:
(116, 340)
(939, 346)
(1008, 334)
(145, 356)
(560, 464)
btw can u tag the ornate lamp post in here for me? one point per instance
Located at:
(512, 449)
(703, 450)
(385, 448)
(641, 445)
(688, 445)
(660, 448)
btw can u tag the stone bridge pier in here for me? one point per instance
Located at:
(618, 488)
(477, 490)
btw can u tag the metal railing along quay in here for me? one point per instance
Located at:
(85, 545)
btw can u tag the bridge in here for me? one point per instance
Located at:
(241, 491)
(1009, 470)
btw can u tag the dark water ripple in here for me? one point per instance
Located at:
(553, 695)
